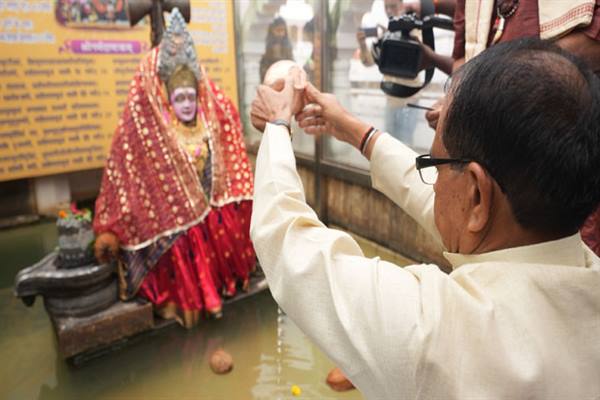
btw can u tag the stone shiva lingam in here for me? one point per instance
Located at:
(80, 294)
(70, 281)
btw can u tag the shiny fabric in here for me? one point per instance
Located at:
(135, 264)
(229, 234)
(188, 278)
(183, 229)
(519, 323)
(150, 187)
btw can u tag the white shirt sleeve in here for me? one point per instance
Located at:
(393, 173)
(356, 309)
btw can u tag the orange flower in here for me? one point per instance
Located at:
(62, 214)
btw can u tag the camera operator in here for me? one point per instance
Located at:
(396, 8)
(400, 121)
(393, 8)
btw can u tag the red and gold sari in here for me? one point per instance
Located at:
(182, 244)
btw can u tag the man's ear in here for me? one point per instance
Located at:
(480, 194)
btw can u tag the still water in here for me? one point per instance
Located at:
(270, 353)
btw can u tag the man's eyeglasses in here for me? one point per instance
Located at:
(429, 175)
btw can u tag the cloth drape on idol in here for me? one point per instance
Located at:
(178, 195)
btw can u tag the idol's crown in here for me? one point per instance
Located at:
(176, 48)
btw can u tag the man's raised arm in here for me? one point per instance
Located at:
(321, 279)
(392, 165)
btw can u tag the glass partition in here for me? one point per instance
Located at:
(356, 83)
(269, 31)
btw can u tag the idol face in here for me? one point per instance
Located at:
(184, 103)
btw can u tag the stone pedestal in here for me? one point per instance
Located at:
(106, 329)
(83, 305)
(73, 292)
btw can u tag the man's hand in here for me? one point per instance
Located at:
(106, 247)
(365, 55)
(325, 114)
(361, 38)
(430, 58)
(428, 55)
(279, 101)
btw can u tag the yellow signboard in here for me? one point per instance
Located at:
(65, 67)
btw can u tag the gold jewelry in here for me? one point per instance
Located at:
(194, 140)
(181, 77)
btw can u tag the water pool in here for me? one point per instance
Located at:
(270, 353)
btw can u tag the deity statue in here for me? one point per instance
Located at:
(175, 200)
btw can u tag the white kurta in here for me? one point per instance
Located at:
(511, 324)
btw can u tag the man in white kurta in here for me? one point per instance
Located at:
(512, 323)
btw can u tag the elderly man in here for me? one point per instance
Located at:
(511, 177)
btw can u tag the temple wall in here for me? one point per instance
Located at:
(47, 194)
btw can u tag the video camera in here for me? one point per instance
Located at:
(399, 55)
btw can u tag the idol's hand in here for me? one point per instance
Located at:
(106, 247)
(280, 100)
(324, 114)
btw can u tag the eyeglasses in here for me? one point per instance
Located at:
(429, 176)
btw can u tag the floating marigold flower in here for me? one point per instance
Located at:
(62, 214)
(296, 391)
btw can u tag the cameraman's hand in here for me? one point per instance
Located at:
(365, 55)
(106, 247)
(428, 57)
(361, 37)
(324, 114)
(431, 59)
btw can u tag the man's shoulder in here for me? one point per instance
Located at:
(592, 260)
